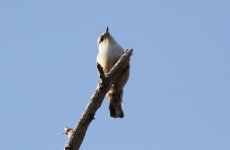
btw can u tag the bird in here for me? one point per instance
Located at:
(109, 53)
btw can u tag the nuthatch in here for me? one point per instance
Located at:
(109, 53)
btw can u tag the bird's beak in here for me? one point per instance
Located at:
(107, 30)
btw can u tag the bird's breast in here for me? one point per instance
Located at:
(107, 57)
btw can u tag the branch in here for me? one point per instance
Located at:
(78, 133)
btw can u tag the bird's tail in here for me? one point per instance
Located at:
(115, 105)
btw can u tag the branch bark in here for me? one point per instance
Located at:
(106, 80)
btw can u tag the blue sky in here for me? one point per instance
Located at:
(178, 94)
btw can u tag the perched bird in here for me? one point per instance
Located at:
(109, 53)
(68, 131)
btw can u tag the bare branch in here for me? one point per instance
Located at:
(101, 73)
(77, 136)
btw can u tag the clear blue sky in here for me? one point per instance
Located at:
(178, 95)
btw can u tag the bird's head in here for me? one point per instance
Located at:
(105, 37)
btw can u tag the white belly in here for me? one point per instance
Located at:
(108, 56)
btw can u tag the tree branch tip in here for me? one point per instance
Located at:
(101, 72)
(68, 148)
(130, 50)
(99, 67)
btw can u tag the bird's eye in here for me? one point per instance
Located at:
(102, 38)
